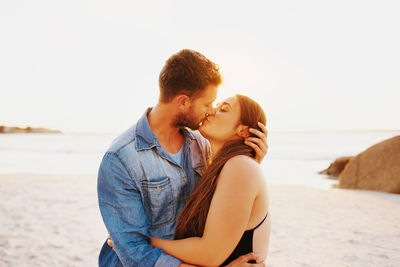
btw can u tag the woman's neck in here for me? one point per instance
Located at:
(215, 148)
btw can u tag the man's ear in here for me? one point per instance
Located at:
(183, 102)
(243, 131)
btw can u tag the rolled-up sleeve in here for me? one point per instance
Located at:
(123, 214)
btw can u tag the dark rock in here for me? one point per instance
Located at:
(336, 167)
(377, 168)
(28, 129)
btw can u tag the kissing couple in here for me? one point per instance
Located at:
(183, 186)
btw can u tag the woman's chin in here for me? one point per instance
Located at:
(203, 131)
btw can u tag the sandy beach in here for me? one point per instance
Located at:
(49, 220)
(53, 220)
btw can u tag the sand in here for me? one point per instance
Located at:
(337, 227)
(53, 220)
(49, 220)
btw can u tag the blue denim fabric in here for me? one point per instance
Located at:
(141, 191)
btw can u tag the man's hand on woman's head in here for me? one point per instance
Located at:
(259, 144)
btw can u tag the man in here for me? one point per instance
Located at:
(150, 170)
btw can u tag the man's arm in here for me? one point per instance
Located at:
(124, 216)
(241, 261)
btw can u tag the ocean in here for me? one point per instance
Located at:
(293, 157)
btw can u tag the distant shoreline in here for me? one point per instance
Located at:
(14, 129)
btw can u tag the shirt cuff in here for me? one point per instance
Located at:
(166, 260)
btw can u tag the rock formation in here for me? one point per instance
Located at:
(336, 167)
(377, 168)
(7, 129)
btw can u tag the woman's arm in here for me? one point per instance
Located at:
(238, 186)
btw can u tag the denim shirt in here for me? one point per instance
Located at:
(141, 191)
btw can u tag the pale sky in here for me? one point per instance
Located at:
(93, 65)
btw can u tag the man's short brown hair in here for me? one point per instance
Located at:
(187, 72)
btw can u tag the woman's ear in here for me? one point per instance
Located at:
(243, 131)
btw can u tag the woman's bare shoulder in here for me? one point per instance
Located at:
(242, 168)
(242, 163)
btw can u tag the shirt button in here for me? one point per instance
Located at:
(185, 179)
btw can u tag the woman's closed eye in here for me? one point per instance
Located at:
(224, 107)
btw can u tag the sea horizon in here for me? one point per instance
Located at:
(293, 157)
(99, 132)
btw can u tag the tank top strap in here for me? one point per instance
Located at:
(260, 222)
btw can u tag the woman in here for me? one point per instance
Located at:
(227, 214)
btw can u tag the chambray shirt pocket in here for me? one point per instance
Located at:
(158, 201)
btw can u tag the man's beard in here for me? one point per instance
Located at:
(187, 119)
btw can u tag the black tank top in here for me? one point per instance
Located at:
(244, 246)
